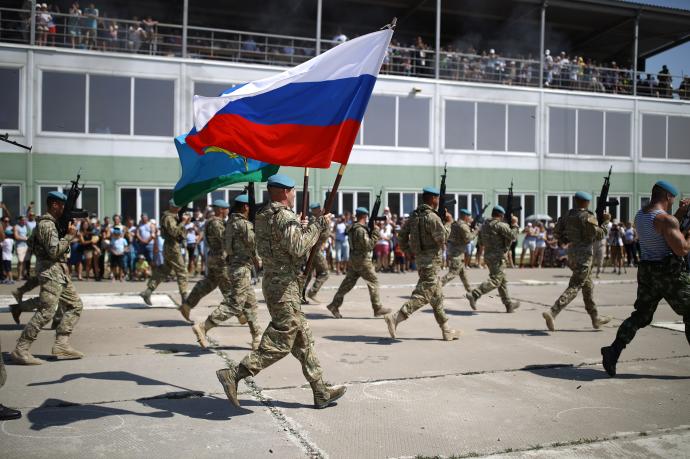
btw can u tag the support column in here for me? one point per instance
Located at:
(437, 60)
(636, 51)
(32, 24)
(319, 13)
(542, 37)
(185, 24)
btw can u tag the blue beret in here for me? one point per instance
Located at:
(465, 212)
(431, 190)
(668, 187)
(242, 198)
(222, 203)
(583, 196)
(499, 209)
(362, 211)
(281, 181)
(57, 195)
(315, 205)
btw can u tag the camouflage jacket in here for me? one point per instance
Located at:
(50, 250)
(361, 244)
(325, 234)
(424, 234)
(281, 242)
(496, 236)
(214, 233)
(240, 241)
(460, 236)
(581, 230)
(171, 230)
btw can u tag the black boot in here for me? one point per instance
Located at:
(610, 356)
(7, 414)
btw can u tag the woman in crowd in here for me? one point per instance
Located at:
(616, 249)
(630, 243)
(529, 243)
(88, 240)
(191, 241)
(382, 249)
(540, 245)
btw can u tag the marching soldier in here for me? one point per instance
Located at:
(581, 230)
(236, 285)
(496, 236)
(424, 235)
(217, 274)
(663, 269)
(56, 287)
(282, 243)
(361, 247)
(460, 236)
(173, 233)
(320, 264)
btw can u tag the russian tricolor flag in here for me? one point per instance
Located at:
(307, 116)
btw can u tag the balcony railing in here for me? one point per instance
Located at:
(159, 39)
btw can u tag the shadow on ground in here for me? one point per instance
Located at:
(586, 374)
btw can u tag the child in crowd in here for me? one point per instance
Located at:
(7, 247)
(118, 246)
(142, 270)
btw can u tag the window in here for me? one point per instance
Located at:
(558, 205)
(150, 201)
(63, 93)
(590, 132)
(379, 121)
(412, 116)
(10, 196)
(522, 121)
(645, 200)
(154, 107)
(617, 134)
(562, 130)
(402, 203)
(491, 127)
(526, 201)
(109, 100)
(653, 136)
(679, 137)
(89, 199)
(413, 122)
(459, 125)
(348, 201)
(470, 201)
(621, 212)
(207, 89)
(9, 95)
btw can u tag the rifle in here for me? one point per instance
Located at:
(71, 211)
(6, 138)
(478, 217)
(510, 208)
(442, 204)
(373, 218)
(603, 200)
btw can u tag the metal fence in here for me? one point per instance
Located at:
(159, 39)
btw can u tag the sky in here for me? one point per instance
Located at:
(678, 58)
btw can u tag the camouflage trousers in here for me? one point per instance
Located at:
(56, 290)
(497, 279)
(427, 291)
(237, 298)
(581, 279)
(172, 264)
(321, 272)
(288, 332)
(456, 268)
(3, 373)
(657, 281)
(30, 284)
(217, 276)
(357, 269)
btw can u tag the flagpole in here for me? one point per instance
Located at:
(305, 193)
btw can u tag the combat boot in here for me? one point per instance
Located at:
(229, 378)
(63, 350)
(597, 321)
(448, 333)
(185, 310)
(325, 394)
(16, 311)
(21, 354)
(256, 335)
(146, 296)
(312, 296)
(242, 318)
(8, 414)
(549, 320)
(512, 306)
(610, 356)
(183, 297)
(200, 329)
(392, 320)
(472, 300)
(335, 311)
(17, 296)
(381, 311)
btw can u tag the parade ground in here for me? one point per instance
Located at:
(506, 388)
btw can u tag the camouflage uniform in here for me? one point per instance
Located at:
(282, 245)
(3, 373)
(56, 284)
(496, 237)
(581, 230)
(217, 273)
(320, 264)
(172, 232)
(460, 236)
(424, 235)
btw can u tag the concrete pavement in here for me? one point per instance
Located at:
(507, 387)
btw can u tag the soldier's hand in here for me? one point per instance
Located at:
(328, 217)
(304, 222)
(449, 217)
(684, 203)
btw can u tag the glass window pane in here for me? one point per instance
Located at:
(379, 121)
(678, 137)
(408, 203)
(348, 203)
(363, 200)
(413, 122)
(653, 136)
(128, 203)
(9, 95)
(217, 194)
(154, 107)
(109, 98)
(552, 206)
(211, 89)
(644, 201)
(477, 203)
(459, 125)
(462, 202)
(89, 200)
(565, 205)
(624, 209)
(521, 128)
(491, 127)
(561, 130)
(394, 203)
(148, 202)
(528, 208)
(10, 197)
(234, 193)
(590, 132)
(617, 134)
(63, 106)
(164, 197)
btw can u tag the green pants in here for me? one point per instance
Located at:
(172, 264)
(456, 268)
(3, 373)
(321, 272)
(357, 269)
(238, 298)
(496, 280)
(217, 277)
(581, 279)
(427, 291)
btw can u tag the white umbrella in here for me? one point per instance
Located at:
(538, 217)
